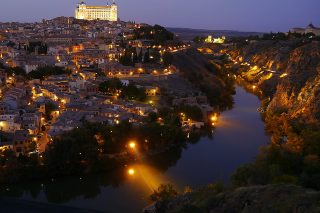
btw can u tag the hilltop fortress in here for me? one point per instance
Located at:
(106, 12)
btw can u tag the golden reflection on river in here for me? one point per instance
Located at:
(229, 122)
(146, 177)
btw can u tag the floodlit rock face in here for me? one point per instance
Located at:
(289, 73)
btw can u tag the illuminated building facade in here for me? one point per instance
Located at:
(108, 12)
(219, 40)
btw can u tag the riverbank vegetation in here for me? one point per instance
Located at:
(217, 198)
(95, 147)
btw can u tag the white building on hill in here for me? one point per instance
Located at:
(107, 12)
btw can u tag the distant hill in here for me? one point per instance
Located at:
(189, 34)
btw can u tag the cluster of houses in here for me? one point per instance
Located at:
(32, 112)
(71, 43)
(20, 122)
(24, 117)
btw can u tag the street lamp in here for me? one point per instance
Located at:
(214, 118)
(132, 145)
(131, 172)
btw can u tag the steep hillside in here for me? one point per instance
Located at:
(264, 199)
(206, 76)
(288, 75)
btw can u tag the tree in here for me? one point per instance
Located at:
(38, 47)
(126, 60)
(167, 58)
(192, 112)
(111, 86)
(198, 39)
(49, 108)
(155, 57)
(13, 70)
(72, 152)
(140, 55)
(165, 192)
(42, 72)
(17, 71)
(146, 56)
(157, 33)
(131, 92)
(11, 44)
(152, 117)
(130, 57)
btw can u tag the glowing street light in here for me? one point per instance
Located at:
(132, 145)
(131, 172)
(214, 118)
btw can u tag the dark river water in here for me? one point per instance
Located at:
(237, 139)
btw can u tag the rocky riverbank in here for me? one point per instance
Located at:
(287, 72)
(269, 198)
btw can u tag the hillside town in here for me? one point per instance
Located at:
(53, 72)
(159, 106)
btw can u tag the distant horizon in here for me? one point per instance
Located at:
(232, 15)
(188, 28)
(39, 21)
(231, 30)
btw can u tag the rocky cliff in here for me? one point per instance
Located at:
(286, 74)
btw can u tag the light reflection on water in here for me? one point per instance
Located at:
(147, 177)
(150, 176)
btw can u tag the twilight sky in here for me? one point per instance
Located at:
(243, 15)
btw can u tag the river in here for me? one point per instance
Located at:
(237, 139)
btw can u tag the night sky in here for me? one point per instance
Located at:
(243, 15)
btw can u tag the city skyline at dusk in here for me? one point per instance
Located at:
(159, 106)
(247, 15)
